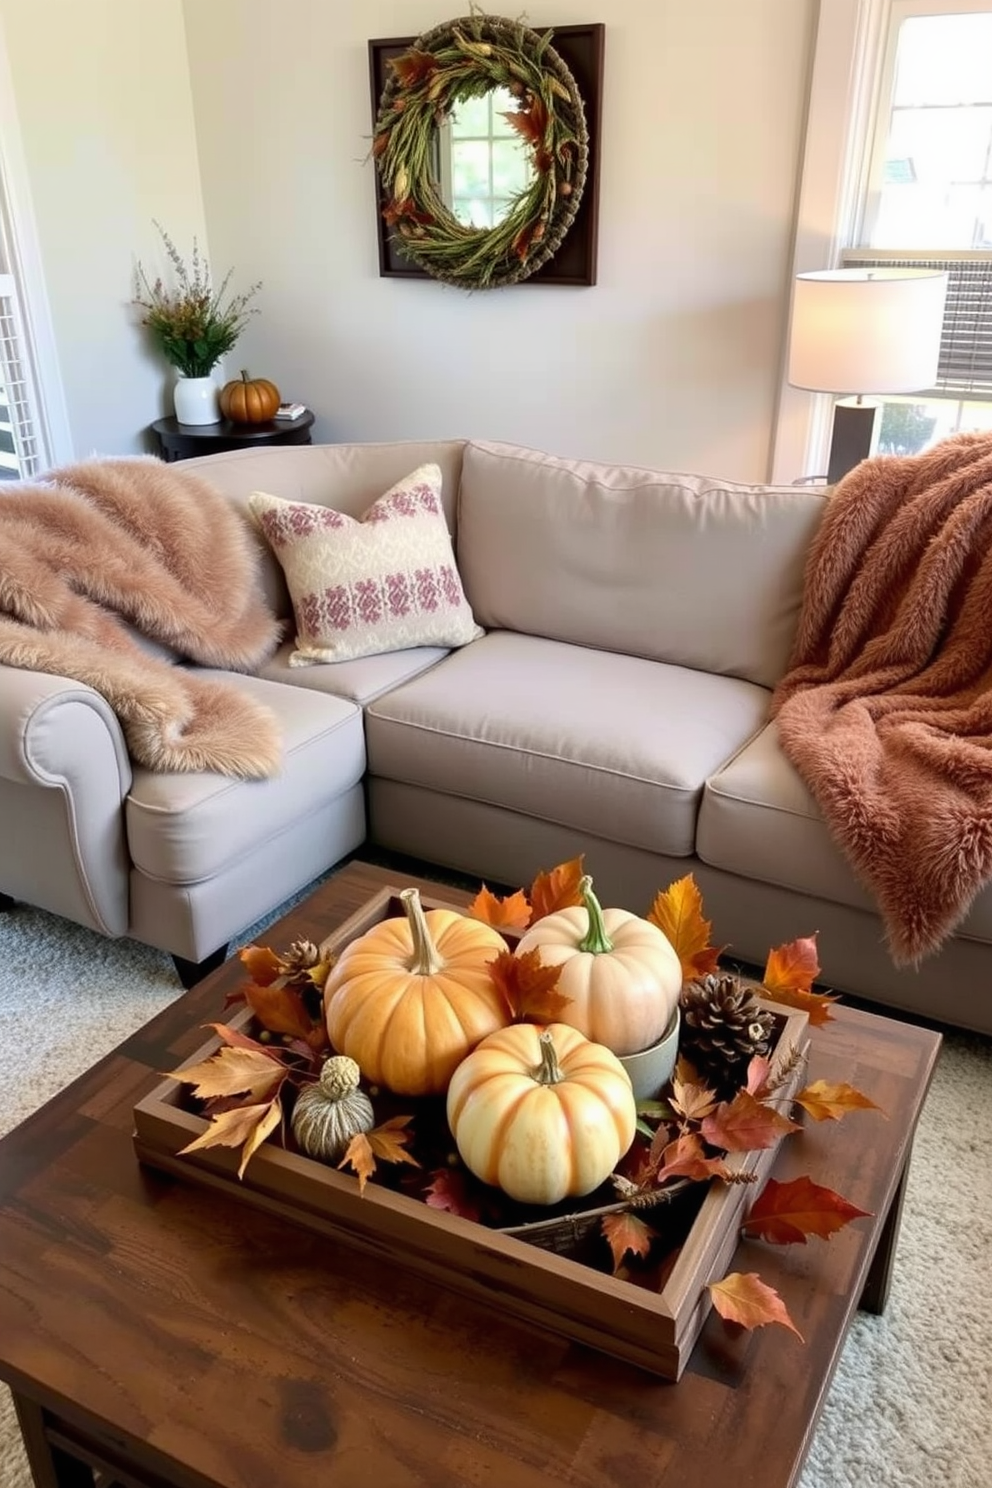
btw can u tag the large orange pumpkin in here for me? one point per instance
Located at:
(541, 1113)
(412, 996)
(249, 400)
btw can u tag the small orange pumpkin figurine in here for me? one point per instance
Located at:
(250, 400)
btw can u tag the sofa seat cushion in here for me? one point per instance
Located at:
(612, 745)
(758, 820)
(186, 828)
(360, 681)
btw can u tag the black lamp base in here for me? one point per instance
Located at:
(853, 437)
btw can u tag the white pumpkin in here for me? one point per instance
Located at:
(621, 972)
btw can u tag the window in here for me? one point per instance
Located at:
(484, 163)
(898, 170)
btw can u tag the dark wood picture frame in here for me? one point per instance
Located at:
(582, 49)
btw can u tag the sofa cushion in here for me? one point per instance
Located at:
(184, 828)
(361, 680)
(700, 572)
(612, 745)
(758, 820)
(385, 583)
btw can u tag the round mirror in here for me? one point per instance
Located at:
(482, 148)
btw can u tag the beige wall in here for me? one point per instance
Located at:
(261, 112)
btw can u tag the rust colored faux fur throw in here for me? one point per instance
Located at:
(96, 547)
(886, 710)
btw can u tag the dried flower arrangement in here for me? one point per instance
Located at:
(192, 324)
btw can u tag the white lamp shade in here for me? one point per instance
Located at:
(867, 330)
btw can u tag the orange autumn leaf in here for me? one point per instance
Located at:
(678, 914)
(745, 1125)
(233, 1071)
(627, 1235)
(785, 1213)
(529, 123)
(528, 987)
(509, 913)
(747, 1300)
(386, 1142)
(281, 1009)
(243, 1126)
(826, 1102)
(790, 972)
(686, 1158)
(558, 889)
(261, 963)
(229, 1035)
(690, 1099)
(413, 67)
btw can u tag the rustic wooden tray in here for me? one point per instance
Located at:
(653, 1329)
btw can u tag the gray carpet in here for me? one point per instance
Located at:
(911, 1403)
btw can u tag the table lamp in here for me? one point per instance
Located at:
(864, 331)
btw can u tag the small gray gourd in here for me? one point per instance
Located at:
(329, 1113)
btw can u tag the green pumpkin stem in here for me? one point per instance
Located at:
(425, 961)
(548, 1072)
(595, 939)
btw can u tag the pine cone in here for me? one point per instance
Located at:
(297, 961)
(723, 1027)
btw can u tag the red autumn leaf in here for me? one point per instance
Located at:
(678, 913)
(243, 1126)
(527, 987)
(509, 913)
(785, 1213)
(686, 1158)
(627, 1235)
(747, 1300)
(386, 1142)
(413, 67)
(758, 1070)
(558, 889)
(261, 963)
(745, 1124)
(448, 1190)
(826, 1102)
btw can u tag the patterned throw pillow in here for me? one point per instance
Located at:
(384, 582)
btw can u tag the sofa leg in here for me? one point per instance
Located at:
(191, 972)
(6, 902)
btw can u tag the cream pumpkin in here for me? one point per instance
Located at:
(412, 996)
(621, 972)
(541, 1113)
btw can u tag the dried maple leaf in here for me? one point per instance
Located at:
(745, 1124)
(627, 1235)
(826, 1102)
(785, 1213)
(449, 1190)
(247, 1125)
(689, 1098)
(747, 1300)
(509, 913)
(678, 914)
(529, 123)
(281, 1009)
(233, 1071)
(558, 889)
(237, 1040)
(413, 67)
(790, 972)
(387, 1142)
(686, 1158)
(261, 963)
(528, 987)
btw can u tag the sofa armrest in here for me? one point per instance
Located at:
(64, 775)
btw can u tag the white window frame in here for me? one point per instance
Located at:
(44, 424)
(850, 54)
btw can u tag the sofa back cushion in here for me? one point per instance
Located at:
(687, 569)
(346, 477)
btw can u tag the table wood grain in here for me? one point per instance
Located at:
(180, 1339)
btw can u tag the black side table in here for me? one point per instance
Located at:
(182, 441)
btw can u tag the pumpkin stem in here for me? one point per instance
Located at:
(595, 938)
(425, 960)
(244, 376)
(548, 1071)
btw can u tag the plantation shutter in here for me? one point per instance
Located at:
(21, 444)
(965, 367)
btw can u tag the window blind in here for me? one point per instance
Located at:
(965, 366)
(20, 442)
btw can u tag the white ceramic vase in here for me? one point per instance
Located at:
(196, 400)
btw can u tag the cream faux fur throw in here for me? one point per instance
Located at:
(886, 710)
(96, 547)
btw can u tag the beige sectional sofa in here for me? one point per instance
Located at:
(617, 705)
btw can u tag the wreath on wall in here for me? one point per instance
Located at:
(466, 59)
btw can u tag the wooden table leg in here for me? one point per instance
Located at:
(876, 1288)
(50, 1467)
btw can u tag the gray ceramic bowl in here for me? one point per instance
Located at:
(650, 1069)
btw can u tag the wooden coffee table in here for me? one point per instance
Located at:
(157, 1335)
